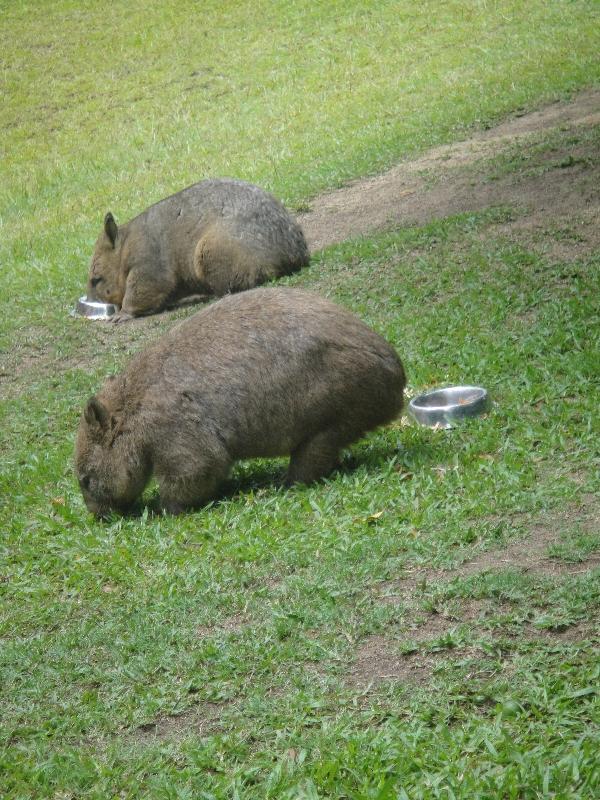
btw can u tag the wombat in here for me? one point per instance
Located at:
(268, 372)
(215, 237)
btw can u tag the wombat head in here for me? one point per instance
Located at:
(104, 283)
(110, 475)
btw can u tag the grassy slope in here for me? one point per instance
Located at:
(117, 110)
(100, 623)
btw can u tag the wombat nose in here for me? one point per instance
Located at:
(106, 512)
(100, 512)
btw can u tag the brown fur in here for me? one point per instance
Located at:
(269, 372)
(215, 237)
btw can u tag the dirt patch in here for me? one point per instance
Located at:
(566, 634)
(380, 658)
(528, 554)
(531, 553)
(563, 237)
(404, 195)
(35, 357)
(232, 624)
(199, 720)
(439, 626)
(376, 662)
(435, 626)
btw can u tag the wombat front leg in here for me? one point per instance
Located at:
(179, 494)
(315, 458)
(225, 264)
(144, 294)
(120, 316)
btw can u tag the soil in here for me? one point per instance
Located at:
(529, 554)
(200, 720)
(232, 624)
(446, 181)
(381, 658)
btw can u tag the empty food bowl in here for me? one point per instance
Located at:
(444, 408)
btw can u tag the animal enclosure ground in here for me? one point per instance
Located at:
(439, 594)
(425, 623)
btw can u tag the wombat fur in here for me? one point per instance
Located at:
(214, 237)
(269, 372)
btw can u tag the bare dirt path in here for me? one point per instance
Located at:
(442, 181)
(560, 182)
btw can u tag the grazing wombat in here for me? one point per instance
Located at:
(214, 237)
(269, 372)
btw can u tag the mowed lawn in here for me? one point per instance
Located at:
(425, 623)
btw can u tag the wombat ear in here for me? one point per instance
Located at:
(110, 228)
(96, 415)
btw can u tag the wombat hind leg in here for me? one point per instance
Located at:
(172, 507)
(315, 458)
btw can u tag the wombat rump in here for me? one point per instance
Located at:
(269, 372)
(215, 237)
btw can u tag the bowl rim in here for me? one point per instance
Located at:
(84, 301)
(481, 395)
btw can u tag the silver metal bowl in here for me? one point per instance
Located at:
(93, 309)
(444, 408)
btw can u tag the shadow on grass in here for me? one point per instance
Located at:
(257, 475)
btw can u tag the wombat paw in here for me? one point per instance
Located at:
(120, 316)
(173, 507)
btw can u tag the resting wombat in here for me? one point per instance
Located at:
(214, 237)
(269, 372)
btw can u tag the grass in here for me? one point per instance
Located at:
(105, 112)
(245, 619)
(214, 655)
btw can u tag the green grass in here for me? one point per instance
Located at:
(101, 622)
(118, 110)
(234, 631)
